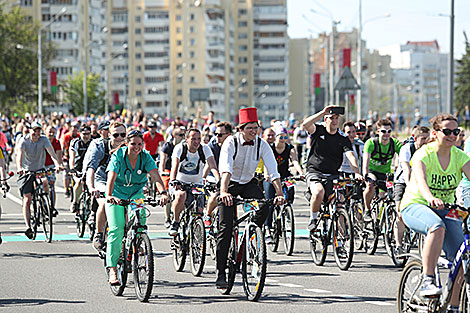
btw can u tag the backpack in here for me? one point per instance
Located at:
(383, 158)
(235, 141)
(184, 153)
(105, 160)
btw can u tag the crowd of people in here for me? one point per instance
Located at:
(115, 155)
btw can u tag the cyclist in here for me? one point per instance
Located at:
(152, 139)
(187, 166)
(96, 160)
(437, 171)
(222, 131)
(127, 176)
(300, 139)
(31, 157)
(328, 144)
(78, 148)
(283, 153)
(103, 129)
(4, 183)
(269, 136)
(420, 135)
(358, 147)
(49, 164)
(377, 160)
(165, 164)
(239, 157)
(66, 139)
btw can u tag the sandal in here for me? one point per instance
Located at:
(112, 277)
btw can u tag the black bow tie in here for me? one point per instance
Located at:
(249, 143)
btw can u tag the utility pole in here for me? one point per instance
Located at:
(359, 64)
(450, 82)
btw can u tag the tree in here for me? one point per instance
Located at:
(96, 96)
(462, 79)
(18, 60)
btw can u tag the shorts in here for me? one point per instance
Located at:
(381, 177)
(398, 191)
(26, 184)
(423, 219)
(189, 197)
(325, 179)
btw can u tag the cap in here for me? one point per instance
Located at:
(360, 127)
(152, 124)
(247, 115)
(280, 130)
(85, 128)
(35, 125)
(104, 125)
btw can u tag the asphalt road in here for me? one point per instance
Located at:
(67, 275)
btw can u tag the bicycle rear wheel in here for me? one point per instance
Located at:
(122, 271)
(407, 297)
(143, 267)
(46, 214)
(35, 218)
(179, 252)
(254, 263)
(319, 241)
(288, 229)
(275, 230)
(358, 224)
(371, 234)
(343, 241)
(231, 269)
(212, 235)
(464, 304)
(197, 246)
(80, 217)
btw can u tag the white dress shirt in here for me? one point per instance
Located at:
(244, 166)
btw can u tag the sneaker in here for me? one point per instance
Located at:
(221, 282)
(367, 217)
(74, 208)
(29, 233)
(55, 212)
(98, 241)
(167, 223)
(399, 251)
(341, 252)
(268, 239)
(312, 224)
(174, 229)
(207, 221)
(429, 288)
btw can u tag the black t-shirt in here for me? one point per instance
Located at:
(80, 148)
(326, 153)
(282, 160)
(168, 148)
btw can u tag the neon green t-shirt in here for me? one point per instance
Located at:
(442, 183)
(375, 165)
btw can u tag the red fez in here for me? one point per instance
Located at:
(247, 115)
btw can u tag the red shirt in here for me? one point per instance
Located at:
(66, 143)
(57, 147)
(151, 144)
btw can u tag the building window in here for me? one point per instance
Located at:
(138, 56)
(243, 71)
(193, 66)
(180, 54)
(178, 29)
(138, 81)
(191, 29)
(242, 47)
(138, 93)
(242, 35)
(191, 54)
(192, 42)
(192, 79)
(242, 60)
(178, 17)
(138, 68)
(138, 30)
(242, 23)
(242, 11)
(178, 42)
(179, 80)
(179, 92)
(138, 43)
(137, 19)
(191, 17)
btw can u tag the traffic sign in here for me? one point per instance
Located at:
(347, 81)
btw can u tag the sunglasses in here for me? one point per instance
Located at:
(447, 131)
(86, 134)
(116, 135)
(179, 135)
(283, 137)
(220, 134)
(385, 131)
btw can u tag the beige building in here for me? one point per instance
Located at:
(300, 78)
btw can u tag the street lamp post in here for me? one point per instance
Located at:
(61, 12)
(450, 82)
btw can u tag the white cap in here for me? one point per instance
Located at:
(35, 125)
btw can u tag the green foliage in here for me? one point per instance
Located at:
(18, 60)
(96, 96)
(462, 79)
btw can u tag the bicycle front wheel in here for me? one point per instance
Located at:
(35, 218)
(143, 267)
(343, 241)
(197, 246)
(212, 235)
(254, 263)
(46, 214)
(357, 209)
(274, 230)
(80, 217)
(288, 229)
(231, 269)
(407, 297)
(179, 252)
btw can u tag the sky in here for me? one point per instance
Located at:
(409, 20)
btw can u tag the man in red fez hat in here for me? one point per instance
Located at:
(239, 158)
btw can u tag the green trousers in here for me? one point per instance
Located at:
(116, 223)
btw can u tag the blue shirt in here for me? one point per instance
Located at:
(129, 183)
(93, 156)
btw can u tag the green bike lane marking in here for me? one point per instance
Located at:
(302, 233)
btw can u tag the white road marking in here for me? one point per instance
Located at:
(14, 199)
(318, 290)
(348, 297)
(18, 228)
(71, 226)
(269, 280)
(380, 303)
(290, 285)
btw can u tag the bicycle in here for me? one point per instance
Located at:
(136, 251)
(408, 299)
(42, 209)
(213, 229)
(283, 224)
(85, 207)
(247, 251)
(333, 227)
(191, 237)
(355, 207)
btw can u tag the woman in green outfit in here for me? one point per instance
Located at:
(127, 176)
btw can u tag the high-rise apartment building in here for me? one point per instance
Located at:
(301, 80)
